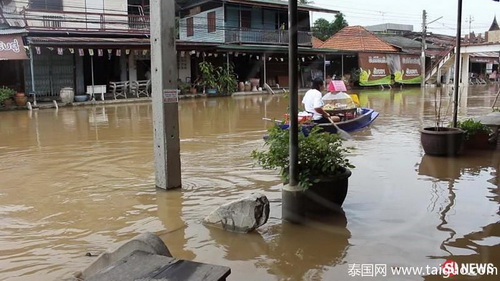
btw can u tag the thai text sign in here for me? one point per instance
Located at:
(170, 96)
(374, 69)
(12, 48)
(408, 71)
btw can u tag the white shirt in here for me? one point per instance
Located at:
(312, 99)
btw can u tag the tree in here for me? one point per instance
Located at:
(338, 23)
(322, 29)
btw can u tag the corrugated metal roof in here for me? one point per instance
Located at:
(186, 4)
(357, 38)
(277, 49)
(403, 42)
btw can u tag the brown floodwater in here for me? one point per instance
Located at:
(81, 180)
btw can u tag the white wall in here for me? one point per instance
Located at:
(184, 66)
(200, 27)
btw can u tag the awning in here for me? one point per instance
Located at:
(279, 49)
(12, 48)
(89, 42)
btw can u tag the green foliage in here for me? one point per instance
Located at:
(496, 109)
(323, 29)
(226, 79)
(320, 155)
(6, 93)
(221, 78)
(472, 127)
(338, 23)
(208, 75)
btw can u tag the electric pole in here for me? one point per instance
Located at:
(470, 20)
(424, 32)
(164, 95)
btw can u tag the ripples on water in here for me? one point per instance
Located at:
(80, 180)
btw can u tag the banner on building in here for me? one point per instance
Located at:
(408, 71)
(12, 48)
(374, 69)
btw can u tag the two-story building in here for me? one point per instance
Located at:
(77, 43)
(251, 34)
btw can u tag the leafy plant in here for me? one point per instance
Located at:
(321, 154)
(472, 127)
(6, 93)
(226, 79)
(221, 78)
(208, 75)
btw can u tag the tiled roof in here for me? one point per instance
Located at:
(316, 42)
(357, 38)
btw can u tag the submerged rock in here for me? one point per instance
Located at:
(242, 215)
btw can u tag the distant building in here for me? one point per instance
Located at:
(392, 28)
(493, 34)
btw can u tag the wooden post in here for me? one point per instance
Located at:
(165, 95)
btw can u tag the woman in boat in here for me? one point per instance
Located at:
(313, 103)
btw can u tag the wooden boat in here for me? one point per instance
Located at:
(362, 119)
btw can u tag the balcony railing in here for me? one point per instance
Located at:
(236, 35)
(64, 21)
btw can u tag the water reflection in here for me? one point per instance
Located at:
(289, 251)
(81, 179)
(478, 246)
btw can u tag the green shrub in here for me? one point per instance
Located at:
(472, 127)
(6, 93)
(320, 155)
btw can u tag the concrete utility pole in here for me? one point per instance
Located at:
(424, 32)
(164, 95)
(294, 91)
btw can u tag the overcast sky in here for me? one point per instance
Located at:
(476, 13)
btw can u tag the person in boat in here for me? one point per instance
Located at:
(313, 103)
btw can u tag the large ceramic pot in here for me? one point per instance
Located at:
(21, 100)
(441, 141)
(323, 197)
(479, 141)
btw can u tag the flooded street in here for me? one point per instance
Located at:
(80, 180)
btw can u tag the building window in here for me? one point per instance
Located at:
(211, 22)
(182, 62)
(46, 4)
(246, 19)
(190, 27)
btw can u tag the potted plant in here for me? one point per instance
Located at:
(227, 82)
(439, 140)
(6, 95)
(476, 134)
(208, 77)
(323, 170)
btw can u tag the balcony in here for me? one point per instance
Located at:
(260, 36)
(73, 21)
